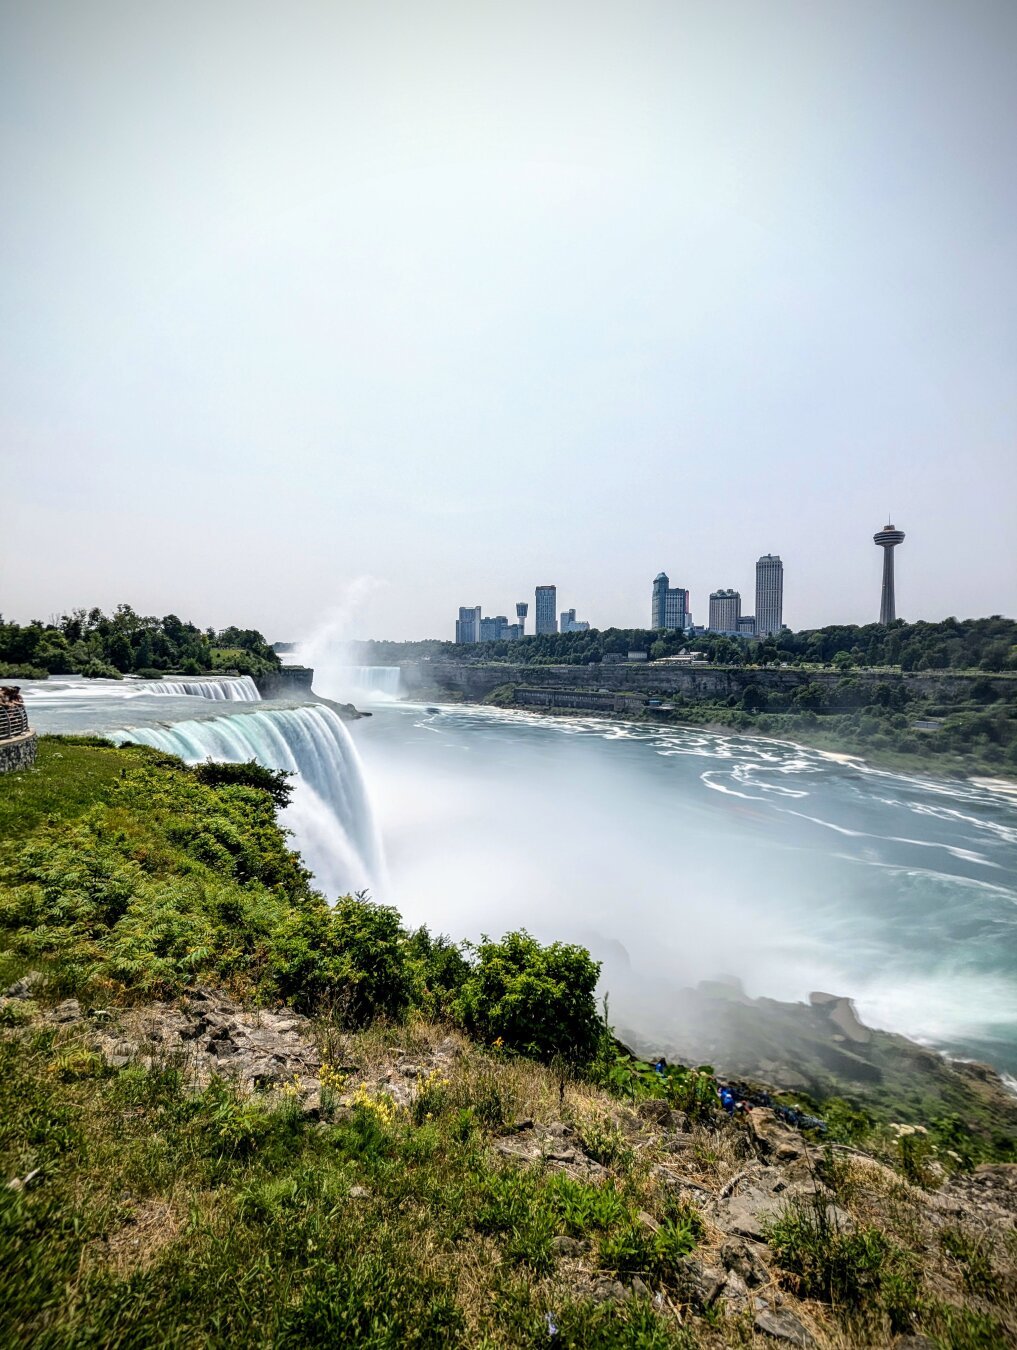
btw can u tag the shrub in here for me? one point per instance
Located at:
(439, 971)
(101, 670)
(534, 999)
(351, 957)
(22, 672)
(252, 774)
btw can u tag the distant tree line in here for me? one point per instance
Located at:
(91, 643)
(952, 644)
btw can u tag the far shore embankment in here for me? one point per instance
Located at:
(712, 698)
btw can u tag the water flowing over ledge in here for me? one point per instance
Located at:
(219, 689)
(229, 689)
(330, 815)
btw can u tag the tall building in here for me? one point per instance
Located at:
(747, 625)
(545, 617)
(494, 630)
(570, 624)
(670, 605)
(725, 611)
(887, 539)
(522, 609)
(658, 610)
(769, 594)
(468, 624)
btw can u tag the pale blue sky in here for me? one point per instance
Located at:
(462, 297)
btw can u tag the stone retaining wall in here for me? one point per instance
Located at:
(18, 753)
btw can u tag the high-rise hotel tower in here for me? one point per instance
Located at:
(769, 594)
(546, 615)
(888, 538)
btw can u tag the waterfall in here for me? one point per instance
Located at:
(229, 689)
(330, 813)
(376, 681)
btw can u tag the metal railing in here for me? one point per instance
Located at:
(13, 720)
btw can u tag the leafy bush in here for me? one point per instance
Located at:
(251, 774)
(534, 999)
(100, 670)
(9, 671)
(351, 958)
(439, 971)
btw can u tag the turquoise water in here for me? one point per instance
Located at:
(684, 855)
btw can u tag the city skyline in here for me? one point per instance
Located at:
(671, 607)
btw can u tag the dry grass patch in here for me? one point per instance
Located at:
(154, 1224)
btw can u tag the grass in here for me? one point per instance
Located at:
(72, 775)
(159, 1215)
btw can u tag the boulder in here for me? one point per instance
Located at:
(745, 1260)
(26, 987)
(782, 1326)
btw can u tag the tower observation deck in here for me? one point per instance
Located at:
(887, 539)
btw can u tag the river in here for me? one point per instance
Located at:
(676, 855)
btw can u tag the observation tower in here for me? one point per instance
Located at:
(888, 538)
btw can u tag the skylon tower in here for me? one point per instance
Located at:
(888, 538)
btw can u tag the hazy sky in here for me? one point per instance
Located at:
(443, 300)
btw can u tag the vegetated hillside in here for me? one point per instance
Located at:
(89, 642)
(971, 729)
(230, 1114)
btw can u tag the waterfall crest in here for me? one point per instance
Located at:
(228, 689)
(330, 814)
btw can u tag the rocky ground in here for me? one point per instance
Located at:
(740, 1177)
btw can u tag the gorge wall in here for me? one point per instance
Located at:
(469, 680)
(289, 682)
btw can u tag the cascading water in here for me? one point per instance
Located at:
(230, 689)
(383, 680)
(330, 814)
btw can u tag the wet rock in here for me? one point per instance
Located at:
(782, 1326)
